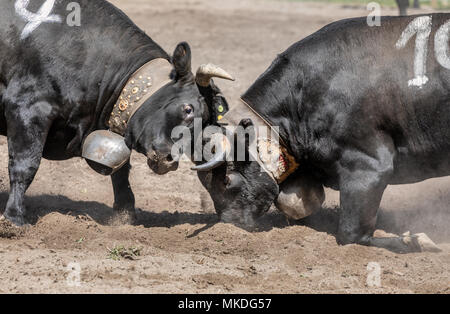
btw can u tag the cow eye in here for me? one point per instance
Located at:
(188, 109)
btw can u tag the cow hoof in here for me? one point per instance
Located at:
(14, 221)
(425, 243)
(123, 218)
(421, 241)
(18, 221)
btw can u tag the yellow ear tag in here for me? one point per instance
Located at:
(220, 109)
(219, 117)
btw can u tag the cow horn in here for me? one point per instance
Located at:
(218, 159)
(207, 71)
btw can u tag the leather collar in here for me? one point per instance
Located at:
(267, 148)
(140, 87)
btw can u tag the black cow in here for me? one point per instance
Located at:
(59, 83)
(359, 108)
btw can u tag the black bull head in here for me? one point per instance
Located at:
(185, 98)
(244, 189)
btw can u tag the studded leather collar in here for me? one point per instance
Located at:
(140, 87)
(267, 148)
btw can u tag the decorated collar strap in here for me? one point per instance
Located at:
(140, 87)
(265, 147)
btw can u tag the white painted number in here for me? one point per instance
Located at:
(441, 45)
(421, 27)
(35, 19)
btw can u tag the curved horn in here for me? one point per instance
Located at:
(207, 71)
(218, 159)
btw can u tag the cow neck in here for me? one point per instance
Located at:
(266, 147)
(142, 85)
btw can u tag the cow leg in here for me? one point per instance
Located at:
(403, 6)
(363, 181)
(123, 195)
(27, 128)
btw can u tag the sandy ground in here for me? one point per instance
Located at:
(183, 249)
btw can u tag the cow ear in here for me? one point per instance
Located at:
(182, 62)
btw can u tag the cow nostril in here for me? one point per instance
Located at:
(169, 158)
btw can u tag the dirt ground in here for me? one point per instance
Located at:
(183, 249)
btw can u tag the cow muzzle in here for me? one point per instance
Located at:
(161, 163)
